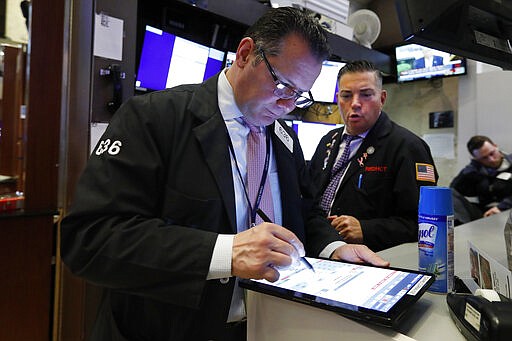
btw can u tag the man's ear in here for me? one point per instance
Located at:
(245, 49)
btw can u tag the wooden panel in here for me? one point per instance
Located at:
(11, 148)
(44, 104)
(26, 286)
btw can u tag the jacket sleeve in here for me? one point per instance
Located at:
(505, 204)
(470, 183)
(115, 234)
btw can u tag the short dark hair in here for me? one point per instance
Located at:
(269, 31)
(357, 66)
(476, 142)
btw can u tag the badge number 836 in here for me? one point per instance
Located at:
(113, 148)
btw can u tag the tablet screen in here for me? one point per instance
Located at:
(375, 294)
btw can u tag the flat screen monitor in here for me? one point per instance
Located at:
(167, 60)
(310, 134)
(414, 62)
(326, 85)
(230, 58)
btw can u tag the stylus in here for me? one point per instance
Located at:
(266, 219)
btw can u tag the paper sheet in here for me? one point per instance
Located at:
(489, 273)
(441, 145)
(97, 130)
(108, 37)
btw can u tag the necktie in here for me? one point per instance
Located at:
(256, 153)
(336, 174)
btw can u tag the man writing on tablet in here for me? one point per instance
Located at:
(162, 212)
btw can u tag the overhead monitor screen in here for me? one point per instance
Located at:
(326, 85)
(415, 62)
(167, 60)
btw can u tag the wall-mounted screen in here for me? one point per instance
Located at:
(167, 60)
(415, 62)
(310, 134)
(325, 87)
(230, 58)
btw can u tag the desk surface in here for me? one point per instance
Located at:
(271, 318)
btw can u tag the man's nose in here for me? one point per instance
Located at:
(288, 104)
(355, 101)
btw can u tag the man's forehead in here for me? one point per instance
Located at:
(486, 149)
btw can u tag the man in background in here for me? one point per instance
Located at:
(372, 198)
(485, 183)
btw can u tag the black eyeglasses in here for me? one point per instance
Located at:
(284, 90)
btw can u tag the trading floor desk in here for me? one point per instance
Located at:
(271, 318)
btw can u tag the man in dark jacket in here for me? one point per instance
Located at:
(373, 199)
(162, 212)
(486, 180)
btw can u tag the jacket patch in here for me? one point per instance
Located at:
(379, 169)
(425, 172)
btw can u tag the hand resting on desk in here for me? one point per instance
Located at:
(359, 254)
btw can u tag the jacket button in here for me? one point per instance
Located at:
(224, 280)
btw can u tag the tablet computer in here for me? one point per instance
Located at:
(375, 294)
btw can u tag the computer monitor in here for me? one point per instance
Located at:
(310, 134)
(326, 85)
(414, 62)
(230, 58)
(167, 60)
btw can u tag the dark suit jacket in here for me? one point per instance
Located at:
(157, 190)
(420, 62)
(386, 203)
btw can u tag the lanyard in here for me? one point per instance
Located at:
(254, 210)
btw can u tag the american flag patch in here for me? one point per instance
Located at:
(425, 172)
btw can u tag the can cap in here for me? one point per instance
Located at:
(435, 200)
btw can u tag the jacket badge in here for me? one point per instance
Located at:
(369, 151)
(328, 152)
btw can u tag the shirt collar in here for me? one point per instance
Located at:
(504, 164)
(226, 98)
(362, 135)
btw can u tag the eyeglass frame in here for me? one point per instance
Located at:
(281, 86)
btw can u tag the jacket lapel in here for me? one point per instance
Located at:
(212, 135)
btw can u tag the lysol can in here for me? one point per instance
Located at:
(435, 236)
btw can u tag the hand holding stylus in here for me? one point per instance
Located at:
(265, 218)
(260, 251)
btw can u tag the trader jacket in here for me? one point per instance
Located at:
(382, 182)
(156, 192)
(488, 184)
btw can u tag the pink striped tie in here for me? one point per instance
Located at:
(256, 153)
